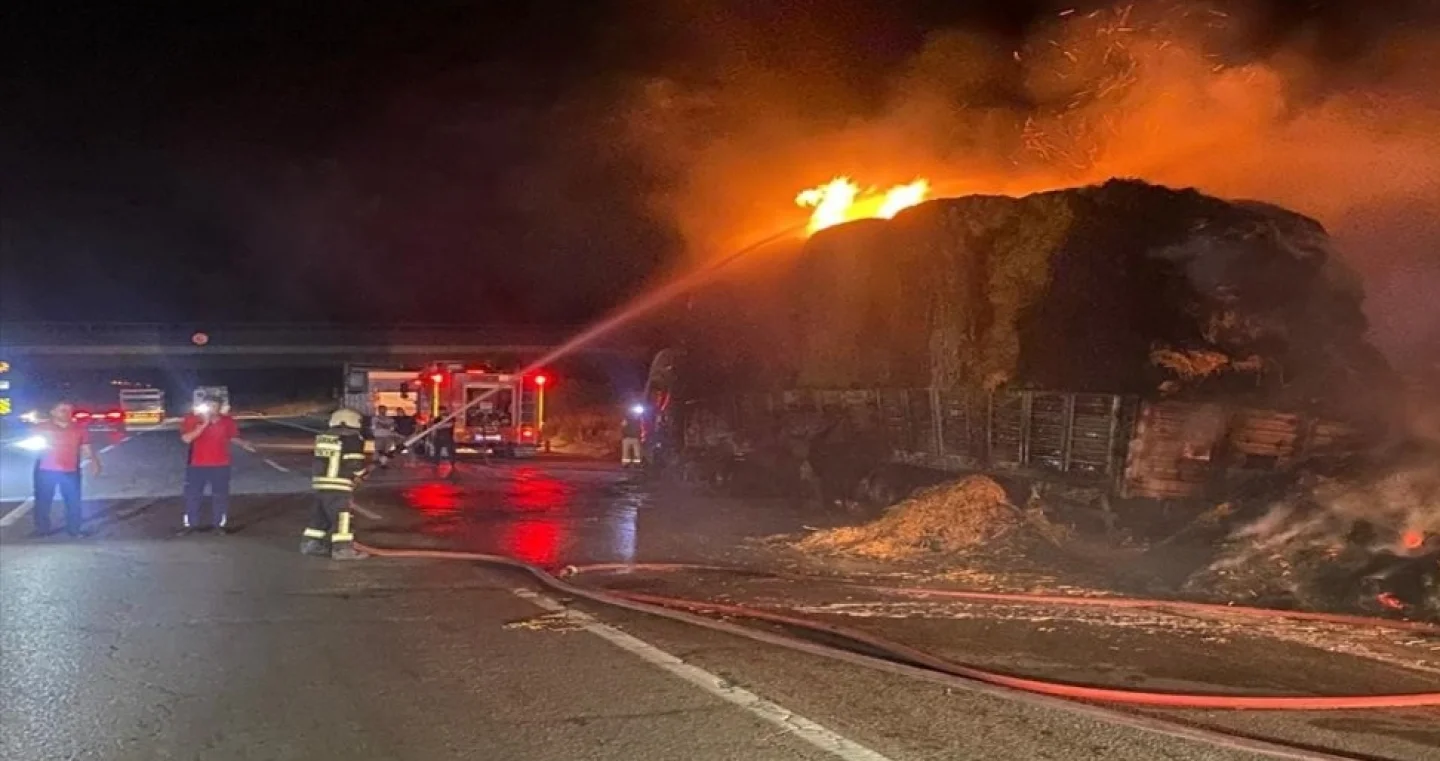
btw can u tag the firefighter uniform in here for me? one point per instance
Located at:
(339, 458)
(631, 430)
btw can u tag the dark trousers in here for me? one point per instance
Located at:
(68, 482)
(198, 477)
(325, 517)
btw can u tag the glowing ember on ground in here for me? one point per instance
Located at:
(1412, 540)
(841, 200)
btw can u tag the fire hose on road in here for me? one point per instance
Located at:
(893, 657)
(663, 606)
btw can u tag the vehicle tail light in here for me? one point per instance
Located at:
(114, 416)
(81, 415)
(527, 433)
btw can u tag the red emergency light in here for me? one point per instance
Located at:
(437, 378)
(541, 380)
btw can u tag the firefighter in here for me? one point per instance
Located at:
(382, 428)
(442, 448)
(339, 459)
(631, 429)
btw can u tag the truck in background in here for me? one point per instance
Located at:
(506, 422)
(142, 406)
(502, 410)
(368, 388)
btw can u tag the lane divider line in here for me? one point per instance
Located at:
(18, 513)
(290, 424)
(792, 723)
(275, 465)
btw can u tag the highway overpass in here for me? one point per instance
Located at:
(261, 345)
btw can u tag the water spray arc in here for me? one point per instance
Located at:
(640, 306)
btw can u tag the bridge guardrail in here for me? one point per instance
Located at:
(21, 335)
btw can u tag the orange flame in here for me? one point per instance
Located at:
(841, 200)
(1412, 540)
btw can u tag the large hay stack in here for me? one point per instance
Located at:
(1122, 287)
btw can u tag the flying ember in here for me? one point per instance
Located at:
(841, 200)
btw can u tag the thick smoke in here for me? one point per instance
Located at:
(758, 107)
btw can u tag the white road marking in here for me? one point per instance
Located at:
(18, 513)
(367, 512)
(288, 424)
(817, 735)
(275, 465)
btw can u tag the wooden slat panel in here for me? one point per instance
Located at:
(1166, 455)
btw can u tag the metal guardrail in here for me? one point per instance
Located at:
(137, 338)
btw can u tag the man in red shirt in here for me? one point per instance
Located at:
(66, 444)
(208, 430)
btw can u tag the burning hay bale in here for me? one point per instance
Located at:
(960, 516)
(1123, 287)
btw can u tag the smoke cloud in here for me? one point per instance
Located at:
(758, 107)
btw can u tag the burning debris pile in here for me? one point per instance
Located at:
(1122, 287)
(1338, 543)
(961, 516)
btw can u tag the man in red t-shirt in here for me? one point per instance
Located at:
(208, 430)
(66, 445)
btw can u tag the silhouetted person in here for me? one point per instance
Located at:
(63, 444)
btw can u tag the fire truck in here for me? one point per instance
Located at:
(506, 418)
(504, 412)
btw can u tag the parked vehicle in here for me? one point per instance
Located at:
(142, 406)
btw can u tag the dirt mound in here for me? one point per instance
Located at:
(952, 517)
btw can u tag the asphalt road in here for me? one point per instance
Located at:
(136, 644)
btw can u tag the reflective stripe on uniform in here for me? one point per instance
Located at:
(353, 456)
(314, 533)
(346, 487)
(342, 530)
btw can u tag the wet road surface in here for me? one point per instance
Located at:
(134, 644)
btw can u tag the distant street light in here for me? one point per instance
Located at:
(200, 339)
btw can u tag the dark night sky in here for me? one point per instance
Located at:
(369, 161)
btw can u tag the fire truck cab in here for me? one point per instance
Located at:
(503, 412)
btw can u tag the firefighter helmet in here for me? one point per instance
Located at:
(345, 418)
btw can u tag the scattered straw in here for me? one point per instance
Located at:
(951, 517)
